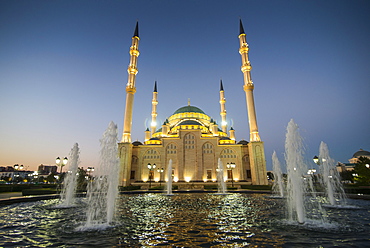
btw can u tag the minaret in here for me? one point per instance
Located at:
(147, 135)
(153, 124)
(248, 85)
(232, 133)
(223, 108)
(130, 87)
(256, 148)
(125, 146)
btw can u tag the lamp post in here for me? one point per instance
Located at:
(316, 160)
(89, 170)
(231, 166)
(16, 174)
(160, 171)
(151, 168)
(61, 163)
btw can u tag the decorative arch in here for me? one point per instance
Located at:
(207, 148)
(152, 154)
(189, 141)
(228, 153)
(134, 159)
(171, 148)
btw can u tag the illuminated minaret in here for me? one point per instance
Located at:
(223, 108)
(153, 124)
(256, 148)
(130, 87)
(248, 85)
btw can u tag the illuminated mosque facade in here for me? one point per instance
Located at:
(194, 142)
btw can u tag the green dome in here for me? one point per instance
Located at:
(189, 122)
(189, 109)
(361, 153)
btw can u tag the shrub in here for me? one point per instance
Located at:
(39, 191)
(257, 187)
(128, 188)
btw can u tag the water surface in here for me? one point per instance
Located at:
(183, 220)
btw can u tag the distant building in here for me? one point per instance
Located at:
(14, 175)
(358, 154)
(341, 167)
(47, 169)
(7, 169)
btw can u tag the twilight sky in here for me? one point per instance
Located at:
(63, 70)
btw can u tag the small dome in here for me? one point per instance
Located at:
(243, 142)
(225, 138)
(361, 153)
(189, 109)
(155, 138)
(189, 122)
(137, 143)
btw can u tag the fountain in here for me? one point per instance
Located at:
(187, 219)
(302, 203)
(221, 189)
(68, 194)
(169, 178)
(295, 170)
(103, 189)
(330, 178)
(278, 186)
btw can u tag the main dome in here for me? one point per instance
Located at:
(191, 109)
(361, 153)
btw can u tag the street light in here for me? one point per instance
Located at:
(90, 169)
(231, 166)
(160, 171)
(61, 163)
(316, 160)
(151, 168)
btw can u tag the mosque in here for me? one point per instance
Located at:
(194, 143)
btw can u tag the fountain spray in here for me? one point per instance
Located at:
(68, 194)
(220, 178)
(296, 168)
(278, 186)
(330, 178)
(169, 178)
(103, 189)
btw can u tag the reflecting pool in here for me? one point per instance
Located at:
(183, 220)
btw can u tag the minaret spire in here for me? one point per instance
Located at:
(153, 124)
(130, 86)
(241, 28)
(136, 33)
(223, 108)
(248, 85)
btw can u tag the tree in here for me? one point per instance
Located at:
(347, 176)
(51, 178)
(82, 179)
(362, 171)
